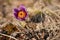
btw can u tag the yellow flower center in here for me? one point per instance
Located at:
(21, 14)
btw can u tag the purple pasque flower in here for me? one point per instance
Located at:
(20, 13)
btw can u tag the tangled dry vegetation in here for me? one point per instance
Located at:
(42, 23)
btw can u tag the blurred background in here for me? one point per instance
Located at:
(43, 20)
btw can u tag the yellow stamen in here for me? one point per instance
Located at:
(21, 14)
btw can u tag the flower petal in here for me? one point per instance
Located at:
(21, 19)
(15, 14)
(22, 8)
(16, 10)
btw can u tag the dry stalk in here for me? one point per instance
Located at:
(8, 36)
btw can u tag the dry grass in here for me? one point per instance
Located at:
(51, 9)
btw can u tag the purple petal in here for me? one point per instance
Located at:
(15, 14)
(16, 10)
(21, 19)
(22, 8)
